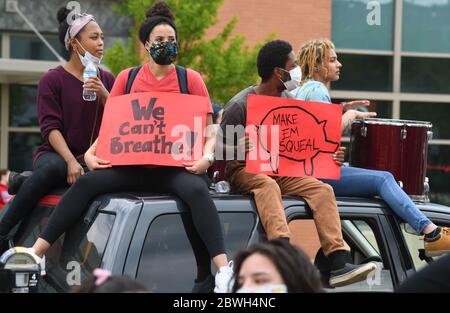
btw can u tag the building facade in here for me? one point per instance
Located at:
(402, 66)
(24, 58)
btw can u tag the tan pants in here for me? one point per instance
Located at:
(267, 191)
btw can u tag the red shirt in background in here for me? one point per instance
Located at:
(145, 81)
(4, 195)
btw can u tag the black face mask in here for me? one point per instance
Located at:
(164, 52)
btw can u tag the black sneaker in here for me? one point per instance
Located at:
(205, 286)
(323, 264)
(350, 274)
(15, 181)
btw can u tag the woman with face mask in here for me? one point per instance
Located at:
(274, 267)
(68, 124)
(159, 35)
(320, 66)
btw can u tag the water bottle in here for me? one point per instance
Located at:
(89, 71)
(222, 187)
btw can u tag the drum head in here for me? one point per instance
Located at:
(394, 122)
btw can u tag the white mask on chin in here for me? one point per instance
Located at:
(88, 57)
(296, 77)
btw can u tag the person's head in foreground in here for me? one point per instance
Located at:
(274, 267)
(102, 281)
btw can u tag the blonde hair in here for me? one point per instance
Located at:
(311, 54)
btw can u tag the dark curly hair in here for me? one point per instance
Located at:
(114, 284)
(61, 16)
(158, 14)
(294, 266)
(273, 54)
(160, 8)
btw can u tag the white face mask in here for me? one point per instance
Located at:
(88, 57)
(269, 288)
(296, 77)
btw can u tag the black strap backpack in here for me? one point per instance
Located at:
(181, 74)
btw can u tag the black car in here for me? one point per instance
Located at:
(146, 236)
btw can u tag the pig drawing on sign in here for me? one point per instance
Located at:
(298, 139)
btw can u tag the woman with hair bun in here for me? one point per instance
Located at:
(68, 123)
(158, 33)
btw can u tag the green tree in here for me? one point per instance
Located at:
(226, 62)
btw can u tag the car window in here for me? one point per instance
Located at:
(365, 231)
(77, 253)
(360, 238)
(167, 262)
(93, 245)
(415, 246)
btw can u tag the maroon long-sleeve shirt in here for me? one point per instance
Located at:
(60, 105)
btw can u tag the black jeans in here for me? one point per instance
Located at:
(50, 172)
(190, 188)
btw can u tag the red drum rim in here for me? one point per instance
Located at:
(394, 122)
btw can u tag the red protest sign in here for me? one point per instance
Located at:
(153, 128)
(293, 137)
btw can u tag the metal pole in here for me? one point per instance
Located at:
(60, 58)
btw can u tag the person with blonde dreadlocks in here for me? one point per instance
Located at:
(320, 66)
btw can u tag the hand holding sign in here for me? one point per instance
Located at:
(93, 162)
(299, 138)
(246, 144)
(339, 156)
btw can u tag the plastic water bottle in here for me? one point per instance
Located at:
(89, 71)
(222, 187)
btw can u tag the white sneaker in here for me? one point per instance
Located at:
(42, 265)
(224, 279)
(41, 261)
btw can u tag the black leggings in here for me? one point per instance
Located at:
(50, 172)
(190, 188)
